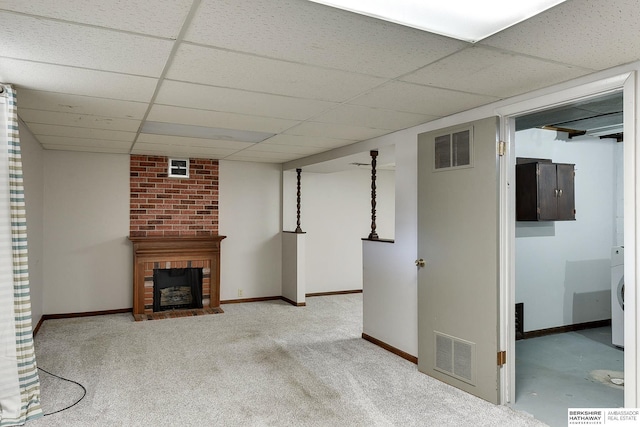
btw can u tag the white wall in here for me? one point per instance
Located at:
(563, 267)
(390, 291)
(250, 207)
(336, 216)
(87, 257)
(33, 176)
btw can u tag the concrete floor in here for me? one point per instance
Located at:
(569, 370)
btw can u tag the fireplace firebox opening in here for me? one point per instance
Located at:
(177, 288)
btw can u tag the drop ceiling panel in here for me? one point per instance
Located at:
(76, 81)
(87, 149)
(234, 70)
(335, 130)
(239, 101)
(161, 18)
(191, 142)
(181, 150)
(588, 34)
(420, 99)
(253, 155)
(65, 103)
(78, 120)
(81, 46)
(317, 77)
(218, 119)
(310, 33)
(287, 149)
(493, 72)
(80, 132)
(323, 142)
(378, 118)
(83, 144)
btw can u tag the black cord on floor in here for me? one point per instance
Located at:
(84, 390)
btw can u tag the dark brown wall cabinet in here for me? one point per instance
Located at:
(545, 192)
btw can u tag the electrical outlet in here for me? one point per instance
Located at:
(240, 292)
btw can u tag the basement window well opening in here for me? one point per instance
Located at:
(177, 288)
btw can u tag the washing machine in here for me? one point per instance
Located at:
(617, 296)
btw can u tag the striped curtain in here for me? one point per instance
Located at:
(19, 382)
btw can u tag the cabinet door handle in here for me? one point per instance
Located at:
(556, 192)
(560, 193)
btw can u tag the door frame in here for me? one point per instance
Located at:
(626, 82)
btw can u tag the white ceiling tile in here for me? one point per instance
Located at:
(590, 34)
(421, 99)
(180, 150)
(235, 70)
(378, 118)
(251, 155)
(192, 142)
(78, 120)
(493, 72)
(48, 141)
(218, 119)
(312, 74)
(61, 43)
(291, 149)
(162, 18)
(256, 159)
(323, 142)
(80, 132)
(310, 33)
(238, 101)
(76, 81)
(78, 104)
(335, 130)
(87, 149)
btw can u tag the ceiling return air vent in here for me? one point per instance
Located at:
(455, 357)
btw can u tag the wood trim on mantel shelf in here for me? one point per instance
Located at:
(175, 241)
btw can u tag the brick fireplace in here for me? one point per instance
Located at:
(169, 207)
(174, 225)
(151, 253)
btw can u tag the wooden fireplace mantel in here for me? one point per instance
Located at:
(174, 249)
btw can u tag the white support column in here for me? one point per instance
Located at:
(294, 286)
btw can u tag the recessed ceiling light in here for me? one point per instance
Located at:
(174, 129)
(468, 20)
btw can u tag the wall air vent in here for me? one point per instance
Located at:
(454, 150)
(455, 357)
(178, 168)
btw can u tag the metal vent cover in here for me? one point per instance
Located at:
(453, 150)
(455, 357)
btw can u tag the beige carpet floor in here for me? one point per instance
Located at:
(258, 364)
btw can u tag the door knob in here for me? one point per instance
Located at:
(420, 262)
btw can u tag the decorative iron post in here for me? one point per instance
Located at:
(373, 235)
(298, 228)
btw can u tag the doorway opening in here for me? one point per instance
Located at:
(563, 267)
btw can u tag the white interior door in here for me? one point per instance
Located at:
(458, 284)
